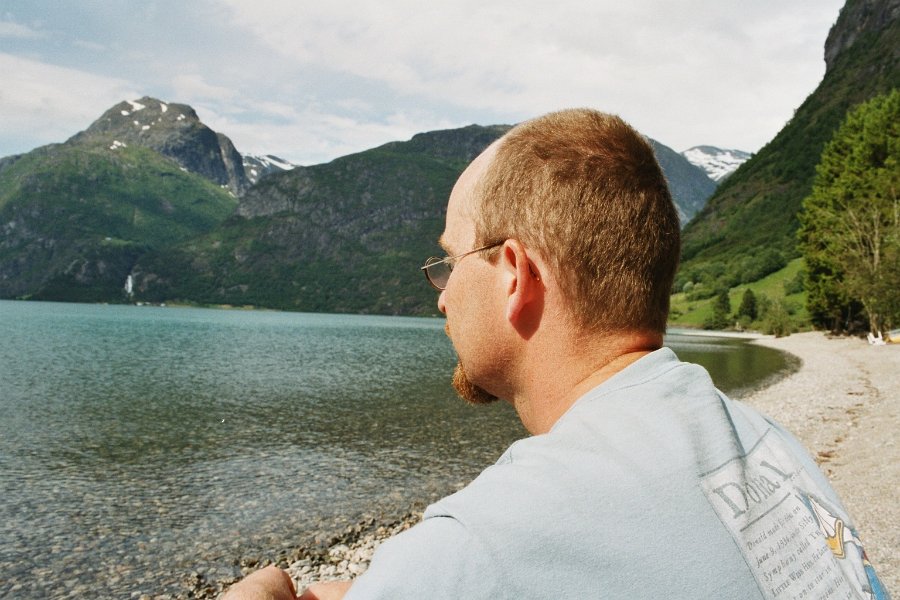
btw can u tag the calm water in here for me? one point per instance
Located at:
(139, 444)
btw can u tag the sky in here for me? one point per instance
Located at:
(312, 81)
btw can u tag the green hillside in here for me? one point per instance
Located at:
(347, 236)
(77, 216)
(781, 289)
(749, 226)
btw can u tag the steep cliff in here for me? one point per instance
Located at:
(857, 19)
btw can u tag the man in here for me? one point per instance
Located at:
(640, 479)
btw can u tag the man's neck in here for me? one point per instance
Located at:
(554, 385)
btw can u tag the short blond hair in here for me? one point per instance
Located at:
(584, 189)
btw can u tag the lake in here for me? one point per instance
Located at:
(139, 444)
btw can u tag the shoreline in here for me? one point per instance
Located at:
(842, 403)
(715, 333)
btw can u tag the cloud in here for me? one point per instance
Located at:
(196, 88)
(10, 29)
(654, 62)
(41, 102)
(309, 134)
(90, 45)
(314, 80)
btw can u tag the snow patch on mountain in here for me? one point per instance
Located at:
(717, 163)
(257, 167)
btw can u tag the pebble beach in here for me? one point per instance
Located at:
(843, 403)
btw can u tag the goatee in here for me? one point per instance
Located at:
(467, 390)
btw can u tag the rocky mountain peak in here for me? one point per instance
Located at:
(175, 131)
(857, 18)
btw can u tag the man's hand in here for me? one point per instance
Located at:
(270, 583)
(331, 590)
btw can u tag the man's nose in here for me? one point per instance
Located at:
(441, 305)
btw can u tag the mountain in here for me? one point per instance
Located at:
(689, 185)
(859, 19)
(717, 163)
(175, 131)
(149, 191)
(257, 167)
(76, 216)
(346, 236)
(754, 211)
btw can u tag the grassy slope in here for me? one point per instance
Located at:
(353, 240)
(82, 214)
(693, 313)
(132, 194)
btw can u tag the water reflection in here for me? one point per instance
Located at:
(736, 366)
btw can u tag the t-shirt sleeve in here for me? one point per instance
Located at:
(435, 559)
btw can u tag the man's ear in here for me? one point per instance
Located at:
(524, 289)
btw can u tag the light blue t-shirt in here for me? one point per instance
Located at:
(652, 485)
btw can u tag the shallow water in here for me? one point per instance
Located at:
(139, 444)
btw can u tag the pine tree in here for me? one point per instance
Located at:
(748, 305)
(720, 318)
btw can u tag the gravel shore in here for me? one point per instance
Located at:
(843, 404)
(343, 556)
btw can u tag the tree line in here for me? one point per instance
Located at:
(849, 231)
